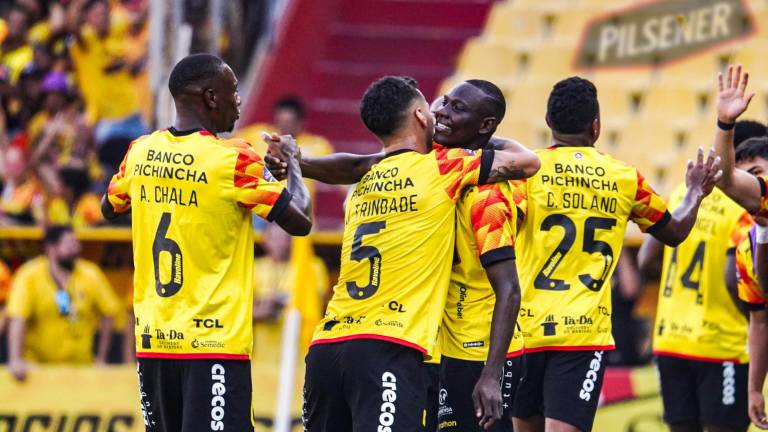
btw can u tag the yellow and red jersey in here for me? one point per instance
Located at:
(486, 227)
(397, 248)
(577, 210)
(749, 287)
(696, 316)
(191, 195)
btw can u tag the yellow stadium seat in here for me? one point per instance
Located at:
(506, 21)
(488, 59)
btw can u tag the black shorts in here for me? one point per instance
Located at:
(561, 385)
(195, 395)
(433, 391)
(364, 385)
(707, 393)
(457, 382)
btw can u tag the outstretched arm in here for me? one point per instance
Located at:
(700, 179)
(649, 257)
(337, 168)
(296, 219)
(732, 101)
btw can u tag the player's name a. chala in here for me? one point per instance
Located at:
(168, 195)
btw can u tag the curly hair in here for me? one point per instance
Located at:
(385, 102)
(572, 106)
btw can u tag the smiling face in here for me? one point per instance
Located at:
(461, 116)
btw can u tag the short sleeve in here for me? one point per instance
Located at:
(460, 168)
(119, 187)
(520, 196)
(763, 210)
(740, 231)
(748, 287)
(255, 187)
(649, 210)
(493, 216)
(20, 298)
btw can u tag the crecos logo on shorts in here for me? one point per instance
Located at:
(218, 389)
(591, 379)
(388, 396)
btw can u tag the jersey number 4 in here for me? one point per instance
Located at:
(359, 253)
(544, 279)
(686, 280)
(164, 244)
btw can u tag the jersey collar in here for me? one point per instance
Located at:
(177, 133)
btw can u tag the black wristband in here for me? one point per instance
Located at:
(725, 126)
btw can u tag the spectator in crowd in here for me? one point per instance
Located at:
(21, 196)
(15, 50)
(5, 284)
(57, 302)
(107, 80)
(288, 116)
(274, 275)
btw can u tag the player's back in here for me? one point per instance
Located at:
(697, 316)
(578, 206)
(397, 248)
(193, 240)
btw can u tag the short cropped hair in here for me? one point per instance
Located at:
(385, 103)
(54, 233)
(752, 148)
(746, 129)
(193, 69)
(572, 106)
(497, 102)
(291, 103)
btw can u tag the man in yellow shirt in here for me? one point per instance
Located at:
(57, 303)
(388, 304)
(106, 80)
(578, 208)
(191, 195)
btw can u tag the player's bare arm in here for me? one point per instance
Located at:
(512, 161)
(700, 179)
(297, 218)
(758, 366)
(337, 168)
(649, 257)
(732, 101)
(487, 393)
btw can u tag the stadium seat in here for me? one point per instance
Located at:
(487, 59)
(509, 22)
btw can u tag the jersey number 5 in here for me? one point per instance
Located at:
(164, 244)
(544, 279)
(359, 253)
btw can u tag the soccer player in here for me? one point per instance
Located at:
(191, 195)
(752, 157)
(396, 261)
(484, 294)
(578, 206)
(467, 117)
(700, 339)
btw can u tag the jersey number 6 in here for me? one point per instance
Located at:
(544, 279)
(164, 244)
(359, 253)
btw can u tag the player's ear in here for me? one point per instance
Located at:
(488, 125)
(595, 128)
(209, 98)
(421, 117)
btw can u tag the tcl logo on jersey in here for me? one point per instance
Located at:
(729, 383)
(207, 323)
(591, 378)
(218, 389)
(388, 396)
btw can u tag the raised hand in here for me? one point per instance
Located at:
(732, 100)
(279, 149)
(703, 175)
